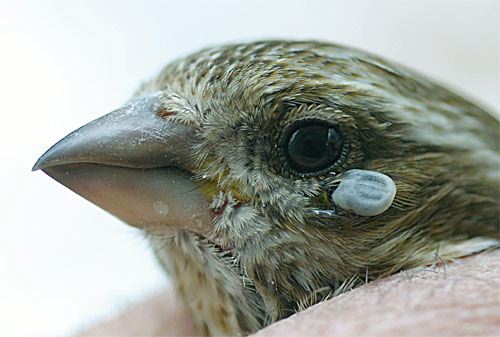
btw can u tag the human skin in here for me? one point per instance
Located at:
(459, 298)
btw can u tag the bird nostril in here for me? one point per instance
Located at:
(164, 113)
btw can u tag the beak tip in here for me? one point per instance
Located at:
(38, 165)
(52, 157)
(43, 162)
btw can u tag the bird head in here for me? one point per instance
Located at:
(231, 158)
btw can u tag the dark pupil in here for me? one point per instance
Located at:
(313, 148)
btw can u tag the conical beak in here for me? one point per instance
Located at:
(135, 165)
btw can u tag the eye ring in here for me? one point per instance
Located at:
(313, 146)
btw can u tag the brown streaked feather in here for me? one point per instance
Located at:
(268, 256)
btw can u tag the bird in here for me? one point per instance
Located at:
(272, 175)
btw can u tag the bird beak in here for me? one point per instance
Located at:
(134, 164)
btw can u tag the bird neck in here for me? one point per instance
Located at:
(211, 286)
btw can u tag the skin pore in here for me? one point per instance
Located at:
(459, 298)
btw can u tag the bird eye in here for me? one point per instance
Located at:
(313, 147)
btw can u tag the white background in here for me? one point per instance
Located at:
(65, 263)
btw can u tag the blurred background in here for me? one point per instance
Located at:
(64, 263)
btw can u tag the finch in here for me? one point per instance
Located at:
(272, 175)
